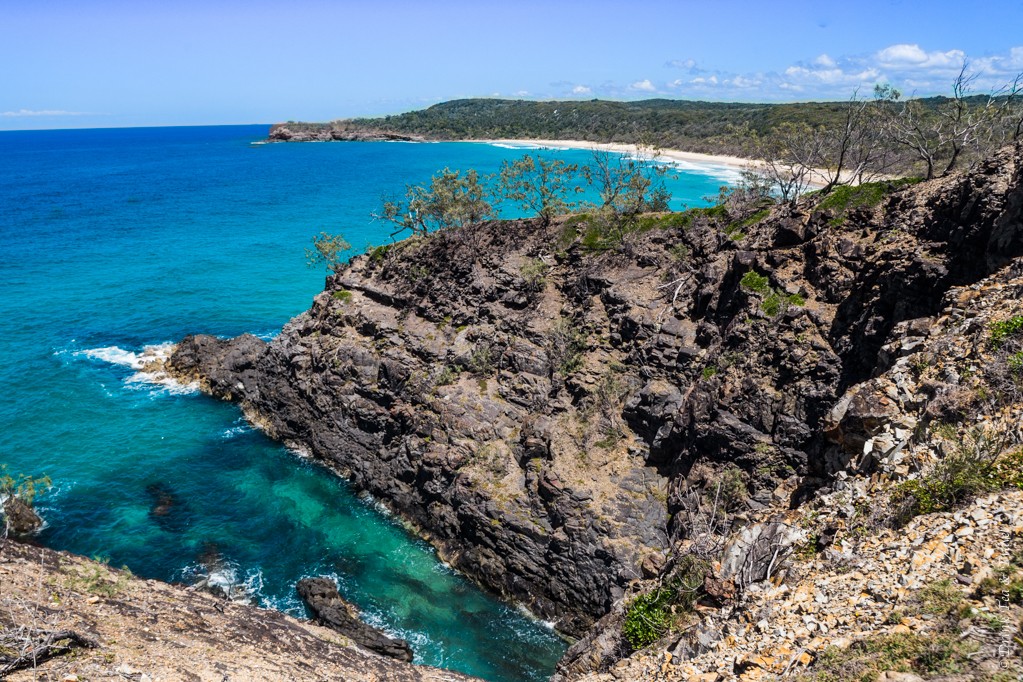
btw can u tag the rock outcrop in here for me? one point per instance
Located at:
(102, 623)
(323, 599)
(338, 131)
(18, 517)
(545, 405)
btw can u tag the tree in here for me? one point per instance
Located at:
(540, 185)
(961, 123)
(451, 200)
(327, 250)
(626, 187)
(856, 149)
(789, 154)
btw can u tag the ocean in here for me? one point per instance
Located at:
(115, 240)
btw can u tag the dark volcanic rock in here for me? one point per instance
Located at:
(548, 449)
(322, 597)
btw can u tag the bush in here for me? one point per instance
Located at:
(752, 281)
(650, 616)
(866, 659)
(1000, 331)
(972, 467)
(25, 488)
(328, 249)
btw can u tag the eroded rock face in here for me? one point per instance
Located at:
(540, 429)
(323, 599)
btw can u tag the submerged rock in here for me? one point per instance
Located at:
(323, 599)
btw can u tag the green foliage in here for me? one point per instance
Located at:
(627, 187)
(772, 304)
(651, 615)
(377, 254)
(342, 295)
(446, 376)
(753, 281)
(451, 200)
(940, 599)
(844, 199)
(96, 578)
(21, 486)
(679, 252)
(534, 272)
(973, 466)
(865, 660)
(541, 185)
(774, 301)
(482, 360)
(1001, 331)
(1005, 585)
(328, 249)
(731, 487)
(565, 347)
(709, 371)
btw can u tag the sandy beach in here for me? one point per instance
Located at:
(735, 162)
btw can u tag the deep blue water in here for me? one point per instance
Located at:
(112, 240)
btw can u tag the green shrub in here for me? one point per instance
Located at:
(753, 281)
(865, 660)
(21, 486)
(1005, 585)
(342, 295)
(772, 304)
(534, 272)
(709, 371)
(972, 467)
(650, 616)
(1000, 331)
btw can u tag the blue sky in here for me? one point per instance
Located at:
(96, 63)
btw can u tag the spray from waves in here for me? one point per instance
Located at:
(224, 578)
(149, 365)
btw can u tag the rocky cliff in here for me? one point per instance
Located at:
(339, 131)
(547, 405)
(64, 617)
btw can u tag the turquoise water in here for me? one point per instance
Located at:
(111, 240)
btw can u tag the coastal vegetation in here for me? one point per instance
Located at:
(867, 136)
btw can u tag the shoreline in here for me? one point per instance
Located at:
(736, 163)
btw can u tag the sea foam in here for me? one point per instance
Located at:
(149, 364)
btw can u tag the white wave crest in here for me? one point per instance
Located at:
(524, 145)
(149, 364)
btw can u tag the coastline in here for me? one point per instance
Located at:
(736, 163)
(695, 160)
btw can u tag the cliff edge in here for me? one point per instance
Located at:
(547, 404)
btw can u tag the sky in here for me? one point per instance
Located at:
(113, 63)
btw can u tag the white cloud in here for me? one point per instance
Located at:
(44, 112)
(914, 69)
(681, 64)
(902, 54)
